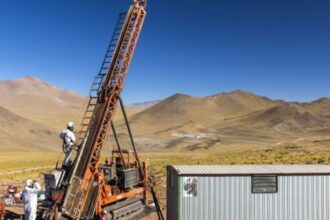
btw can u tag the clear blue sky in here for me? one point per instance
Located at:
(276, 48)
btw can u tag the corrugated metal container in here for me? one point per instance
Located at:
(248, 192)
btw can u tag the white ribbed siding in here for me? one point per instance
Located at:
(299, 197)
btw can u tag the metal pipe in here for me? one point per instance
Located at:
(130, 134)
(118, 144)
(159, 211)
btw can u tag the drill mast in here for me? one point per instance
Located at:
(83, 193)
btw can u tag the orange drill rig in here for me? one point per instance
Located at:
(89, 189)
(2, 208)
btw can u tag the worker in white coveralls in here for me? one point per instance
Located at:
(30, 199)
(69, 140)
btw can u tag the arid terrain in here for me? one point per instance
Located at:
(235, 127)
(236, 120)
(228, 128)
(37, 111)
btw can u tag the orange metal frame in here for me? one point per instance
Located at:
(116, 83)
(3, 209)
(107, 197)
(110, 93)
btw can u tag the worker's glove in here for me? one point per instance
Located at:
(67, 148)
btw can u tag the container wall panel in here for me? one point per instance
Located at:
(299, 197)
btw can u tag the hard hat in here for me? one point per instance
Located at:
(70, 125)
(29, 183)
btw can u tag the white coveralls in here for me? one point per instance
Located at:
(69, 140)
(30, 200)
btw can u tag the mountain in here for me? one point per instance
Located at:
(207, 111)
(31, 93)
(288, 117)
(33, 112)
(320, 106)
(39, 101)
(228, 120)
(17, 133)
(143, 105)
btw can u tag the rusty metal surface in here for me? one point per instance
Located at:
(114, 83)
(17, 210)
(2, 208)
(72, 198)
(99, 80)
(88, 159)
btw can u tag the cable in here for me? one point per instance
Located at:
(117, 142)
(130, 135)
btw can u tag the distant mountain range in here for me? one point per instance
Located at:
(237, 119)
(33, 112)
(143, 105)
(39, 101)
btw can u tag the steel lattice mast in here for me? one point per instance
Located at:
(81, 196)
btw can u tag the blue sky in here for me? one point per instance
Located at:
(276, 48)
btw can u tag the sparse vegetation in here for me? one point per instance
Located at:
(18, 165)
(159, 161)
(15, 166)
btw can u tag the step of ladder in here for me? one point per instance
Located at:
(98, 79)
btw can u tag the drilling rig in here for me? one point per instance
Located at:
(90, 189)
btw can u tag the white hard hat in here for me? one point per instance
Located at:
(70, 125)
(29, 183)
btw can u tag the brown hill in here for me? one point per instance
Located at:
(35, 93)
(18, 133)
(142, 105)
(30, 107)
(320, 106)
(35, 99)
(286, 117)
(237, 118)
(181, 122)
(240, 102)
(41, 102)
(207, 111)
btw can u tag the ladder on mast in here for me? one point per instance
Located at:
(99, 79)
(81, 196)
